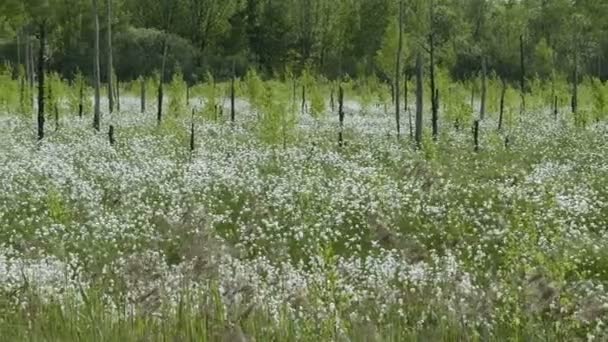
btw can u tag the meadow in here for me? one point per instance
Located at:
(268, 229)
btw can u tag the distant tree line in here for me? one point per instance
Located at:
(335, 38)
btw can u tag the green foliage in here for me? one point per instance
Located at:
(600, 99)
(177, 95)
(255, 89)
(80, 85)
(211, 109)
(317, 100)
(9, 90)
(278, 120)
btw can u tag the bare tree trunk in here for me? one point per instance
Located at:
(397, 92)
(303, 99)
(27, 58)
(434, 105)
(19, 53)
(406, 105)
(97, 70)
(502, 104)
(110, 71)
(41, 61)
(143, 95)
(232, 95)
(341, 116)
(555, 111)
(117, 88)
(482, 108)
(159, 116)
(111, 135)
(575, 85)
(419, 97)
(81, 99)
(476, 135)
(522, 81)
(192, 146)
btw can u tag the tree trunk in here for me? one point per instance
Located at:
(232, 95)
(575, 85)
(522, 80)
(484, 71)
(397, 91)
(41, 61)
(117, 88)
(159, 116)
(419, 98)
(143, 95)
(476, 135)
(111, 135)
(27, 59)
(19, 54)
(406, 106)
(341, 116)
(555, 111)
(502, 104)
(303, 99)
(192, 146)
(81, 99)
(110, 71)
(97, 70)
(434, 109)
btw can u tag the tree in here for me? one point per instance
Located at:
(110, 71)
(96, 69)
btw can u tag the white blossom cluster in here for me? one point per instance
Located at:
(313, 231)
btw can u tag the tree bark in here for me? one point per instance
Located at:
(143, 95)
(110, 71)
(502, 104)
(97, 70)
(482, 107)
(41, 61)
(232, 95)
(522, 81)
(397, 91)
(341, 116)
(575, 85)
(159, 116)
(419, 97)
(434, 107)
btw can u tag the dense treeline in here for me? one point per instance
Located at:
(334, 37)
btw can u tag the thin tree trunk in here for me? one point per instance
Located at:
(397, 91)
(434, 107)
(81, 99)
(303, 99)
(110, 71)
(192, 146)
(143, 95)
(341, 116)
(502, 104)
(117, 87)
(476, 135)
(19, 54)
(27, 58)
(41, 61)
(111, 135)
(97, 70)
(522, 81)
(406, 106)
(555, 111)
(575, 85)
(232, 95)
(159, 116)
(419, 97)
(482, 107)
